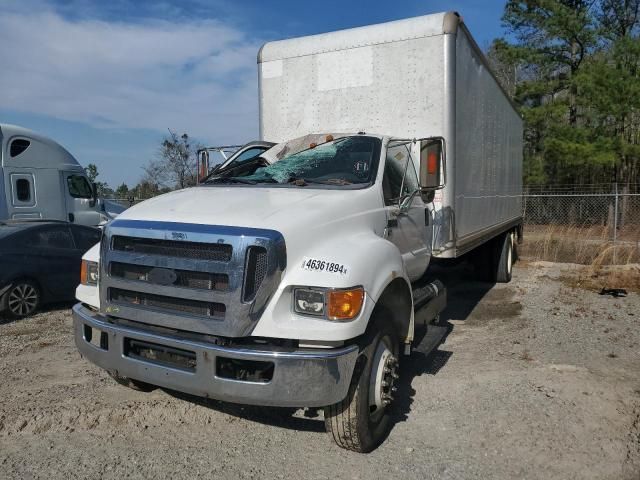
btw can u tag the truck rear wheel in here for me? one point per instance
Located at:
(504, 258)
(132, 384)
(362, 420)
(493, 261)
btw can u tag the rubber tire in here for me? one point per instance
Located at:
(4, 301)
(504, 258)
(133, 384)
(348, 421)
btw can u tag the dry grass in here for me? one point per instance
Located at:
(581, 245)
(596, 277)
(607, 265)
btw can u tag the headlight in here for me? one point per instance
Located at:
(89, 273)
(309, 302)
(333, 304)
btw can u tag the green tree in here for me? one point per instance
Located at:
(122, 191)
(619, 18)
(575, 67)
(92, 172)
(610, 88)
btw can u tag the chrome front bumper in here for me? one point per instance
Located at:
(301, 378)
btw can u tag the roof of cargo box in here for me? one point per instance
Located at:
(416, 27)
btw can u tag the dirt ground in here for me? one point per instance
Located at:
(536, 379)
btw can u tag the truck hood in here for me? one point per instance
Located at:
(287, 210)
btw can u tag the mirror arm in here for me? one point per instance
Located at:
(404, 205)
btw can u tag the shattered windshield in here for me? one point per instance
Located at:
(344, 161)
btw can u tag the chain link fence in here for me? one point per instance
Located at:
(600, 224)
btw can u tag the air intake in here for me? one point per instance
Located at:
(254, 272)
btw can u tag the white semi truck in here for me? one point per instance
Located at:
(299, 280)
(40, 179)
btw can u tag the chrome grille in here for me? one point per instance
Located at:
(180, 305)
(184, 278)
(214, 280)
(173, 248)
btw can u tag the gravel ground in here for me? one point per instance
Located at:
(535, 380)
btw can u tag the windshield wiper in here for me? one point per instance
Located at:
(218, 170)
(267, 180)
(337, 181)
(301, 181)
(232, 180)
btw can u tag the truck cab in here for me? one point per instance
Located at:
(39, 179)
(269, 302)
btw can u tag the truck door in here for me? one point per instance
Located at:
(79, 199)
(407, 214)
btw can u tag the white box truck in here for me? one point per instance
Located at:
(298, 278)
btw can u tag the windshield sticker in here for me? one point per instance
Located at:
(321, 265)
(361, 168)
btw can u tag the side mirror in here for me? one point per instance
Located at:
(94, 194)
(203, 165)
(432, 164)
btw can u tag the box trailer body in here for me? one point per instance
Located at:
(40, 179)
(298, 278)
(413, 78)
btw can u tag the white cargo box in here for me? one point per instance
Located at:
(412, 78)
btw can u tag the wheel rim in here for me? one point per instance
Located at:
(383, 377)
(23, 299)
(509, 257)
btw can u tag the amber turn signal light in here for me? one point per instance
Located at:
(83, 272)
(344, 304)
(88, 273)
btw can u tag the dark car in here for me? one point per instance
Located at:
(40, 263)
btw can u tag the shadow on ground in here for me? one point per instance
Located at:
(274, 416)
(464, 295)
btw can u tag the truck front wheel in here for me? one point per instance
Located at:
(362, 420)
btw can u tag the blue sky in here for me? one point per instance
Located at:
(106, 79)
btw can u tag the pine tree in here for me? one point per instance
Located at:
(577, 83)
